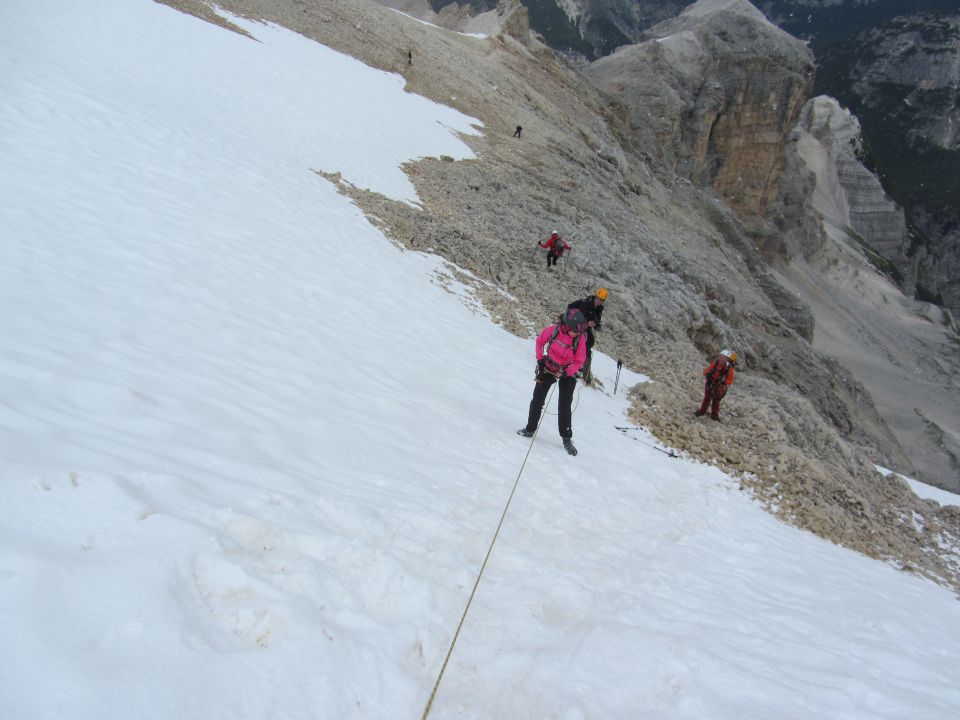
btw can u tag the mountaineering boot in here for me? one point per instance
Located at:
(569, 447)
(523, 432)
(715, 417)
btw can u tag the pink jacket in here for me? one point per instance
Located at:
(561, 355)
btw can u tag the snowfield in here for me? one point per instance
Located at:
(253, 454)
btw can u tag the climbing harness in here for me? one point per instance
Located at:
(548, 343)
(483, 566)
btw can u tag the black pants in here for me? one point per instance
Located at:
(552, 258)
(564, 414)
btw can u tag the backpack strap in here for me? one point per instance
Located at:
(553, 336)
(548, 343)
(715, 373)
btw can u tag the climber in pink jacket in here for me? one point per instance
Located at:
(561, 352)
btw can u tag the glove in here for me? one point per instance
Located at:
(541, 367)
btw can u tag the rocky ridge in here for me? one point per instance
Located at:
(863, 319)
(716, 91)
(874, 47)
(848, 196)
(684, 276)
(718, 88)
(902, 79)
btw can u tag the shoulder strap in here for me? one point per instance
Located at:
(553, 336)
(716, 373)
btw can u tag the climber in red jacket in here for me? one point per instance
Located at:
(554, 245)
(719, 377)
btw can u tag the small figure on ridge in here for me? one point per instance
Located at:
(554, 245)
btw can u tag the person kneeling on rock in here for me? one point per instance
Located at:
(719, 377)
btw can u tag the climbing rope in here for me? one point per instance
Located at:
(496, 534)
(573, 409)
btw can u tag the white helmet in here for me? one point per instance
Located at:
(725, 353)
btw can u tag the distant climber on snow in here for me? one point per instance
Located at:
(592, 309)
(719, 377)
(560, 352)
(516, 133)
(554, 245)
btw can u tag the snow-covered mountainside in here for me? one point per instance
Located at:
(257, 439)
(688, 279)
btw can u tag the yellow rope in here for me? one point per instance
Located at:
(433, 694)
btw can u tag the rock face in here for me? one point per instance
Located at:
(513, 19)
(897, 74)
(862, 319)
(902, 79)
(609, 24)
(920, 55)
(718, 89)
(847, 196)
(489, 17)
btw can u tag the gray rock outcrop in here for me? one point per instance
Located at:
(863, 319)
(717, 90)
(902, 79)
(847, 195)
(920, 56)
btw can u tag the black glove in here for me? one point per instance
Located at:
(541, 367)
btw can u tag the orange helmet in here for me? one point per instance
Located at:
(602, 293)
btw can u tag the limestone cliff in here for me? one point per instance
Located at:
(848, 196)
(902, 80)
(718, 90)
(862, 318)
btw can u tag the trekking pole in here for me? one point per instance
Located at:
(665, 452)
(616, 381)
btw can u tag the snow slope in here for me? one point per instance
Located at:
(252, 454)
